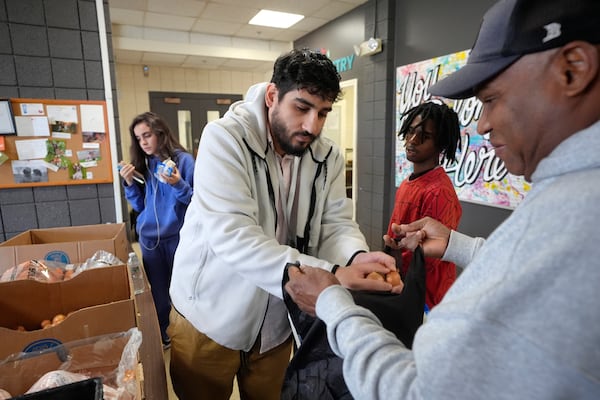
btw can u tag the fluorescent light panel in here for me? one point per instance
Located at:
(275, 19)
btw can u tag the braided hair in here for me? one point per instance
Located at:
(447, 130)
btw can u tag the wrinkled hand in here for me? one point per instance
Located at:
(391, 242)
(306, 284)
(432, 235)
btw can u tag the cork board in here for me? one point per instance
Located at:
(57, 142)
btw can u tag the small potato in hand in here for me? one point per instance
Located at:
(376, 276)
(393, 278)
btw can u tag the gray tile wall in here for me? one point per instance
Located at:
(51, 49)
(375, 145)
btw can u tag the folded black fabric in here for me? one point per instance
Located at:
(315, 372)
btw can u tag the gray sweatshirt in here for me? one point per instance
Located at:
(521, 322)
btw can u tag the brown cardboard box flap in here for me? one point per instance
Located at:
(99, 301)
(67, 244)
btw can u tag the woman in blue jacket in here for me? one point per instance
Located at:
(158, 185)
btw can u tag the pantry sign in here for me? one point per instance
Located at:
(478, 175)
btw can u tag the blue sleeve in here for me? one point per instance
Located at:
(135, 195)
(184, 188)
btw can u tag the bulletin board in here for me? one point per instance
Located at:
(56, 142)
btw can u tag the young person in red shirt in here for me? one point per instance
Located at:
(431, 133)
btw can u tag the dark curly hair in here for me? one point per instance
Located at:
(309, 70)
(167, 144)
(447, 130)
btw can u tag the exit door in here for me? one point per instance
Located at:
(188, 113)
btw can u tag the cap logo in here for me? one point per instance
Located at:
(552, 31)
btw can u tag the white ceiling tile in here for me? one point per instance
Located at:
(304, 7)
(247, 43)
(334, 9)
(140, 5)
(280, 47)
(168, 21)
(186, 8)
(308, 25)
(166, 35)
(212, 40)
(136, 32)
(213, 27)
(129, 17)
(260, 32)
(229, 13)
(216, 27)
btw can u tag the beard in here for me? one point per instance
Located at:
(284, 138)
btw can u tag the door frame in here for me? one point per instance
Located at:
(167, 105)
(353, 104)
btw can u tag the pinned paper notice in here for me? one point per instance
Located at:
(92, 118)
(32, 109)
(32, 126)
(31, 149)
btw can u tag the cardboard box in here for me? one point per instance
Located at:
(68, 245)
(98, 299)
(98, 356)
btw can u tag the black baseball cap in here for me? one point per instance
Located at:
(513, 28)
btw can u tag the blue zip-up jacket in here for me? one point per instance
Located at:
(161, 207)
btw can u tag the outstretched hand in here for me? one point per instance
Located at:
(432, 235)
(354, 276)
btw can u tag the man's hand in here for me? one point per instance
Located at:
(306, 284)
(431, 234)
(355, 277)
(376, 257)
(390, 242)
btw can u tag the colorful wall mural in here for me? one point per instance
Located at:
(478, 175)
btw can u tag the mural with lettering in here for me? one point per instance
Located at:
(478, 175)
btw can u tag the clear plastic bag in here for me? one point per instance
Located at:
(101, 258)
(54, 271)
(39, 270)
(112, 357)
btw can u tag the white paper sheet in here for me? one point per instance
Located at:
(92, 118)
(31, 149)
(32, 126)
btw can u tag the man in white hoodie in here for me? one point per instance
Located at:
(521, 321)
(268, 191)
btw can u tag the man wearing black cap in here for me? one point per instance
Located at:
(521, 321)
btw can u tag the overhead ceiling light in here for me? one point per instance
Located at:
(275, 19)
